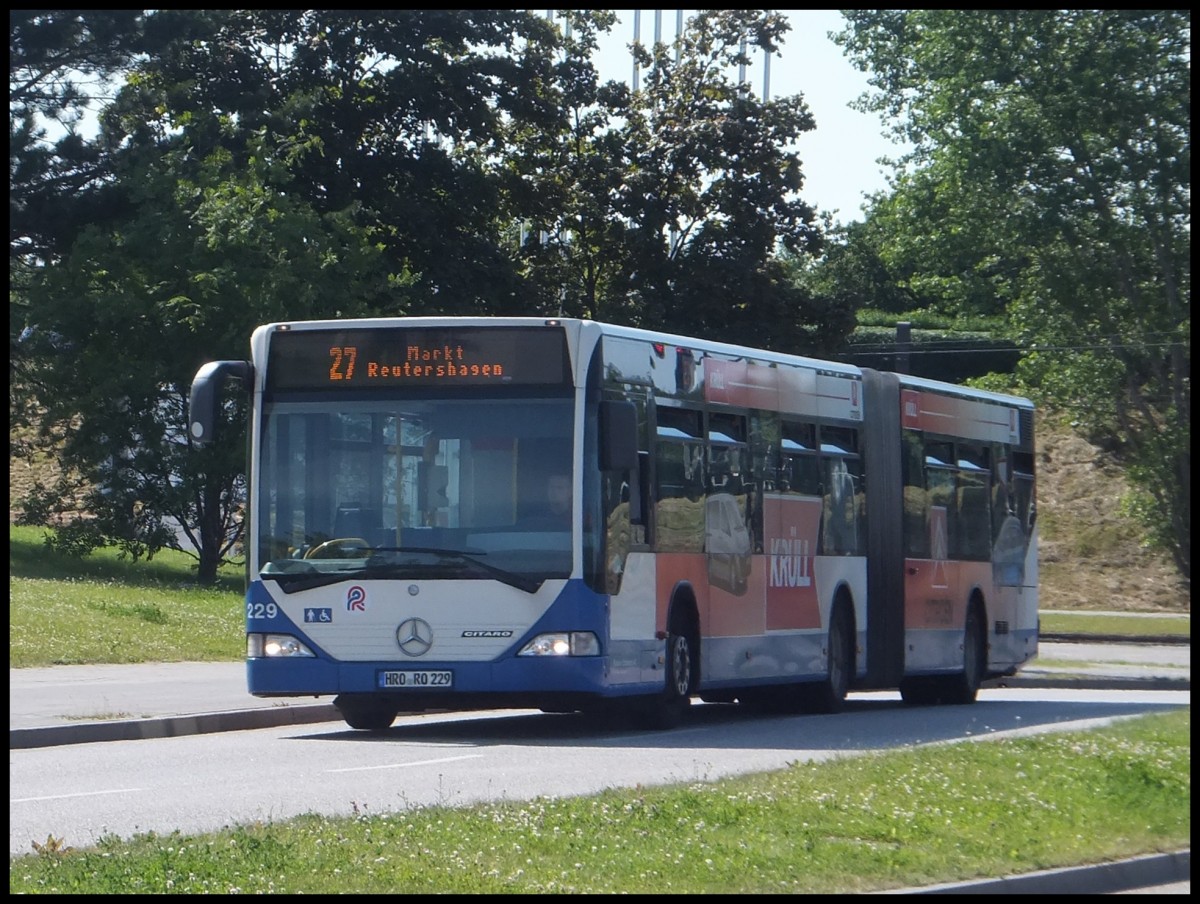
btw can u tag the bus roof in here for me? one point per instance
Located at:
(638, 333)
(908, 381)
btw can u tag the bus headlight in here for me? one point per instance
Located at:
(565, 643)
(272, 646)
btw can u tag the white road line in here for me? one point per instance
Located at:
(447, 759)
(25, 800)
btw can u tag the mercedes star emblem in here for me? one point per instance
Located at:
(414, 636)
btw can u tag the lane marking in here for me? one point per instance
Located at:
(25, 800)
(446, 759)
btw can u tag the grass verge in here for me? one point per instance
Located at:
(103, 609)
(864, 823)
(1080, 622)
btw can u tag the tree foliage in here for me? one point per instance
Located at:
(263, 165)
(1050, 177)
(230, 207)
(668, 206)
(58, 66)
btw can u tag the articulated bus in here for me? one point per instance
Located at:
(736, 525)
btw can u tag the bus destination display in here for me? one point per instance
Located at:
(399, 357)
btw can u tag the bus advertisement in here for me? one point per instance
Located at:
(479, 513)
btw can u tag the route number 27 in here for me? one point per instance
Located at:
(342, 355)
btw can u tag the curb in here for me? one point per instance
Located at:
(170, 726)
(1157, 640)
(1092, 682)
(1095, 879)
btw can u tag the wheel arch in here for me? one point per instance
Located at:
(683, 617)
(976, 600)
(843, 598)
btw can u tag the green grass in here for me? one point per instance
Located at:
(1082, 622)
(102, 609)
(861, 823)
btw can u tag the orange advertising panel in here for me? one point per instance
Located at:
(791, 525)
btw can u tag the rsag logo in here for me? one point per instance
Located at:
(356, 599)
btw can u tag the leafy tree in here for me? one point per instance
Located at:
(125, 320)
(59, 63)
(853, 267)
(667, 206)
(397, 117)
(1051, 169)
(265, 166)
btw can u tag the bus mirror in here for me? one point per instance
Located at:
(204, 403)
(618, 435)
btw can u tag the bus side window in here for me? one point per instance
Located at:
(841, 472)
(680, 480)
(679, 497)
(916, 498)
(840, 533)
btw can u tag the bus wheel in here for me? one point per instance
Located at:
(366, 714)
(666, 710)
(964, 687)
(829, 696)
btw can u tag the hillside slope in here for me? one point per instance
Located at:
(1090, 555)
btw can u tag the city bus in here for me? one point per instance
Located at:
(735, 525)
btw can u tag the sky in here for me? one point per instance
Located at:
(838, 157)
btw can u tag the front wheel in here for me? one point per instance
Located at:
(366, 714)
(666, 710)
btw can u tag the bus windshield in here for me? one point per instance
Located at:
(415, 488)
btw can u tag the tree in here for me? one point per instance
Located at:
(60, 62)
(1056, 144)
(397, 117)
(667, 206)
(130, 313)
(263, 166)
(58, 65)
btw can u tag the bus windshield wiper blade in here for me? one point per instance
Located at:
(471, 558)
(291, 582)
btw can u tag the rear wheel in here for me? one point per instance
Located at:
(960, 688)
(366, 714)
(829, 696)
(964, 687)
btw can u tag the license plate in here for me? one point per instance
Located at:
(411, 678)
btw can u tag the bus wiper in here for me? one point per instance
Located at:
(385, 566)
(470, 558)
(291, 582)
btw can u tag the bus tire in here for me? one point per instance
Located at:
(366, 714)
(960, 688)
(829, 695)
(666, 709)
(964, 687)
